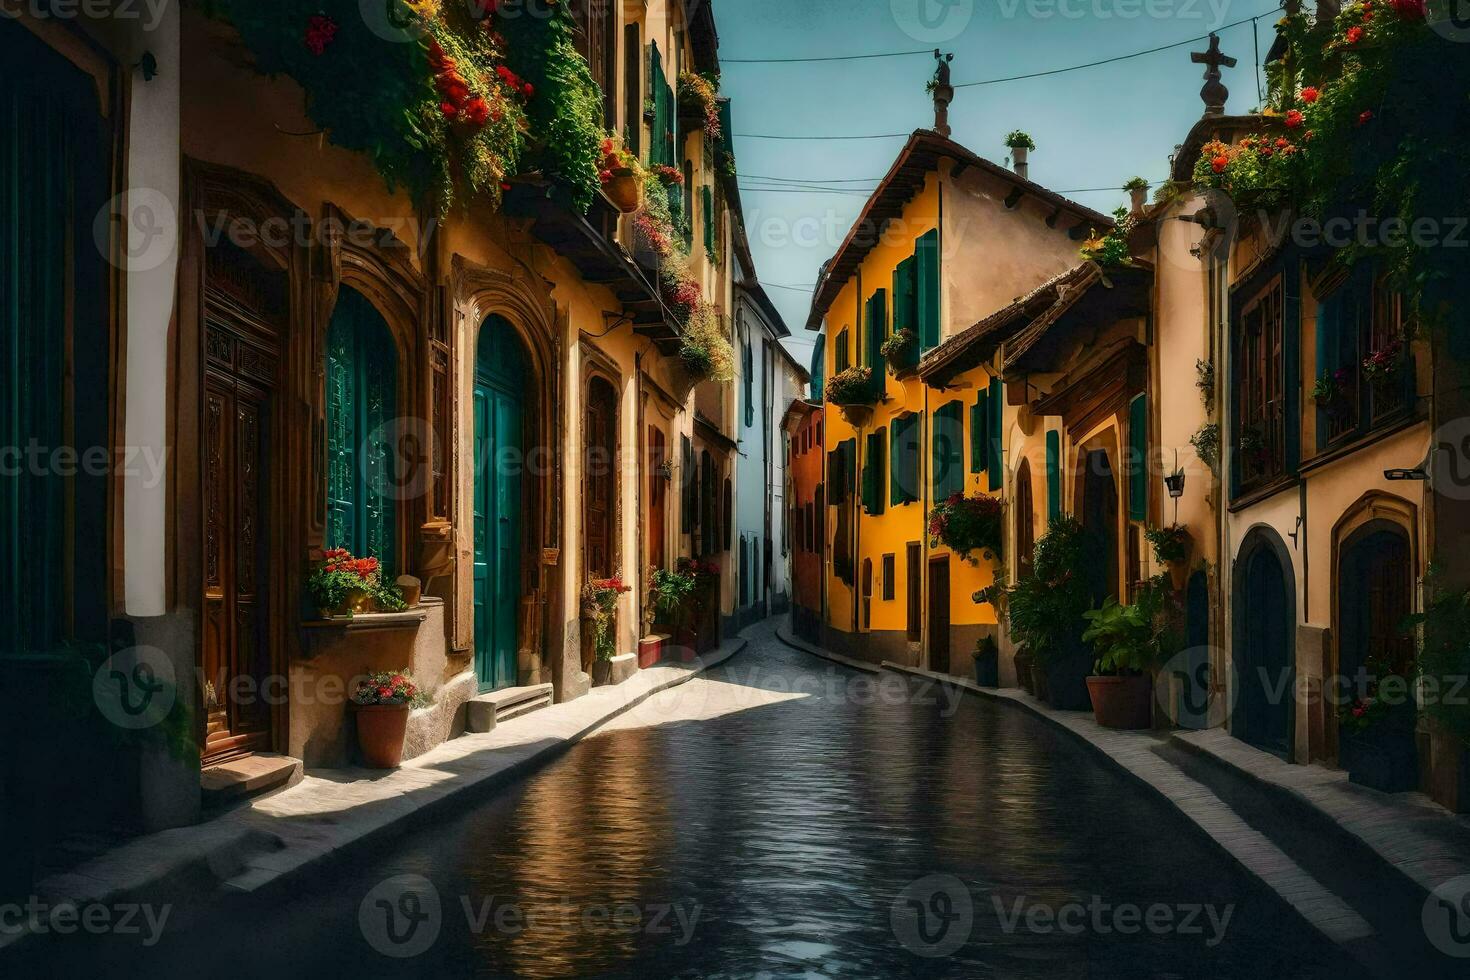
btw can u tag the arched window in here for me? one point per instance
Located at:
(362, 390)
(1025, 520)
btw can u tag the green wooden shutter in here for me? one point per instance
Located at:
(904, 460)
(819, 366)
(1053, 475)
(37, 156)
(842, 359)
(707, 195)
(994, 434)
(926, 257)
(873, 472)
(948, 451)
(877, 331)
(661, 142)
(1138, 459)
(903, 296)
(979, 413)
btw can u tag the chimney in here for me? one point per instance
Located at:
(1018, 160)
(943, 93)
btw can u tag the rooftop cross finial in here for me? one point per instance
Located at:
(1213, 93)
(943, 92)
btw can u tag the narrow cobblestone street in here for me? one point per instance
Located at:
(772, 817)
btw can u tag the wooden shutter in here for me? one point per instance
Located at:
(1053, 475)
(873, 475)
(994, 434)
(1137, 459)
(979, 427)
(948, 451)
(877, 327)
(926, 259)
(904, 460)
(707, 197)
(661, 140)
(904, 297)
(842, 359)
(687, 491)
(632, 90)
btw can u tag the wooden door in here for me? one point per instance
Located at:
(239, 392)
(939, 614)
(914, 568)
(658, 489)
(498, 507)
(1263, 667)
(599, 484)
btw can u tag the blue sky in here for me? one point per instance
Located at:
(1094, 128)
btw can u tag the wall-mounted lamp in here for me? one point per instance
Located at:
(1174, 483)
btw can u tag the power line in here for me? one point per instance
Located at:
(814, 180)
(874, 136)
(1121, 57)
(835, 57)
(798, 289)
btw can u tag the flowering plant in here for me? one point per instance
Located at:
(965, 524)
(1382, 366)
(667, 175)
(338, 575)
(1361, 714)
(701, 94)
(393, 687)
(706, 349)
(615, 157)
(853, 386)
(600, 597)
(899, 349)
(671, 591)
(1044, 609)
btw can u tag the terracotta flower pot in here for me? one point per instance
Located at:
(380, 729)
(625, 191)
(1122, 702)
(1179, 574)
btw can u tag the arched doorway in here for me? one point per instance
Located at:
(1100, 521)
(1265, 617)
(362, 398)
(1375, 582)
(501, 366)
(599, 486)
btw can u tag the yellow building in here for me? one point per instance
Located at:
(946, 239)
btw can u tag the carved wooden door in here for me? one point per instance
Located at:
(238, 393)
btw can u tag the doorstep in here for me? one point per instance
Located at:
(331, 814)
(248, 776)
(1410, 833)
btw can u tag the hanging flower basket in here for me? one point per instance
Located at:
(1173, 548)
(968, 524)
(901, 350)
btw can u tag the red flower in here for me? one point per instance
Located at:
(1354, 35)
(449, 110)
(607, 147)
(477, 111)
(384, 692)
(320, 31)
(1365, 117)
(1310, 94)
(1408, 9)
(1294, 119)
(529, 90)
(1219, 163)
(1282, 143)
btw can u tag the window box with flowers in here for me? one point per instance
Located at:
(968, 524)
(699, 102)
(901, 350)
(854, 391)
(621, 175)
(600, 613)
(343, 586)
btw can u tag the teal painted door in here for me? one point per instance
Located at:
(362, 383)
(499, 455)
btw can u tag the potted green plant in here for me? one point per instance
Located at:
(1044, 615)
(1020, 144)
(382, 703)
(854, 392)
(987, 662)
(341, 585)
(1126, 642)
(899, 350)
(1173, 547)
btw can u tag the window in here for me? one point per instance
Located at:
(1260, 436)
(632, 90)
(888, 576)
(842, 356)
(867, 593)
(949, 451)
(688, 212)
(362, 392)
(711, 226)
(661, 128)
(995, 451)
(1025, 520)
(873, 476)
(1137, 462)
(747, 365)
(905, 295)
(1362, 318)
(596, 42)
(905, 460)
(1053, 475)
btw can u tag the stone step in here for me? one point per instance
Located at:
(484, 712)
(248, 776)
